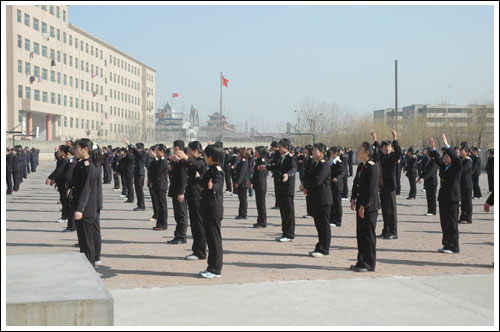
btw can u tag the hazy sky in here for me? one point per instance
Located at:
(277, 56)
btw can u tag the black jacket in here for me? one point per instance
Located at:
(129, 163)
(490, 165)
(389, 164)
(67, 174)
(193, 190)
(140, 161)
(429, 171)
(259, 179)
(288, 166)
(159, 175)
(308, 165)
(476, 165)
(212, 200)
(242, 174)
(411, 167)
(59, 168)
(466, 179)
(319, 183)
(365, 186)
(16, 167)
(337, 172)
(178, 180)
(450, 176)
(8, 163)
(84, 189)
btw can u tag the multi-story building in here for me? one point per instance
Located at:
(449, 115)
(387, 115)
(62, 82)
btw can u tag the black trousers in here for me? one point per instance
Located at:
(389, 211)
(345, 191)
(350, 169)
(260, 200)
(197, 230)
(161, 197)
(85, 229)
(154, 200)
(124, 183)
(276, 184)
(336, 208)
(413, 187)
(139, 190)
(243, 198)
(430, 193)
(181, 218)
(108, 172)
(477, 188)
(398, 182)
(105, 175)
(214, 241)
(491, 182)
(15, 178)
(33, 168)
(63, 199)
(97, 237)
(67, 213)
(228, 179)
(448, 215)
(367, 240)
(322, 223)
(130, 187)
(466, 211)
(287, 212)
(116, 178)
(28, 168)
(309, 207)
(9, 183)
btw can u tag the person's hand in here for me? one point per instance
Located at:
(170, 168)
(52, 182)
(197, 174)
(68, 192)
(394, 135)
(374, 135)
(126, 141)
(335, 180)
(306, 191)
(236, 185)
(445, 140)
(361, 211)
(486, 207)
(151, 185)
(353, 205)
(181, 155)
(251, 186)
(232, 167)
(180, 198)
(210, 184)
(420, 181)
(301, 188)
(285, 177)
(78, 215)
(433, 143)
(47, 181)
(175, 158)
(261, 167)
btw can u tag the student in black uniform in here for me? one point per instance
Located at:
(275, 158)
(129, 174)
(450, 171)
(8, 171)
(490, 170)
(388, 154)
(97, 224)
(196, 167)
(227, 170)
(429, 177)
(122, 169)
(177, 189)
(365, 201)
(476, 172)
(308, 164)
(350, 155)
(251, 165)
(84, 196)
(62, 185)
(114, 167)
(321, 196)
(15, 170)
(259, 184)
(241, 181)
(212, 209)
(336, 186)
(344, 159)
(152, 164)
(286, 169)
(159, 185)
(466, 186)
(139, 164)
(51, 180)
(411, 173)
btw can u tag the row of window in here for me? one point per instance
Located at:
(57, 11)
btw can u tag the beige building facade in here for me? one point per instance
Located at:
(64, 83)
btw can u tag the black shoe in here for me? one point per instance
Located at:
(358, 269)
(410, 197)
(140, 209)
(129, 201)
(275, 208)
(240, 217)
(77, 245)
(177, 241)
(464, 222)
(259, 226)
(382, 235)
(390, 237)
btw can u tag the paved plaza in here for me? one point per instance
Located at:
(134, 256)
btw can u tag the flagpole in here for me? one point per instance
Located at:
(220, 113)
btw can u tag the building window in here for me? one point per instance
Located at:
(19, 16)
(92, 124)
(26, 20)
(70, 101)
(81, 65)
(76, 103)
(36, 48)
(58, 35)
(76, 63)
(76, 82)
(44, 27)
(64, 15)
(64, 58)
(81, 45)
(87, 124)
(58, 56)
(45, 96)
(37, 71)
(58, 12)
(71, 122)
(44, 74)
(52, 31)
(65, 101)
(71, 61)
(71, 81)
(83, 104)
(87, 48)
(64, 37)
(27, 92)
(27, 68)
(65, 79)
(20, 91)
(76, 123)
(52, 54)
(19, 66)
(37, 95)
(52, 98)
(58, 78)
(44, 7)
(59, 101)
(44, 50)
(65, 122)
(27, 45)
(92, 106)
(76, 43)
(52, 76)
(36, 24)
(19, 41)
(91, 49)
(101, 54)
(70, 40)
(87, 67)
(87, 103)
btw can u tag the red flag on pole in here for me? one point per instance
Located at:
(224, 81)
(175, 95)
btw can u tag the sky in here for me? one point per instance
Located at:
(275, 57)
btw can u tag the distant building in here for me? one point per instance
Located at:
(452, 115)
(387, 115)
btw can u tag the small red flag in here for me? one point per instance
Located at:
(224, 81)
(175, 95)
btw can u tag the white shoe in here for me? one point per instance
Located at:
(122, 196)
(428, 214)
(306, 216)
(152, 219)
(209, 275)
(333, 225)
(283, 239)
(97, 262)
(61, 220)
(445, 251)
(192, 258)
(423, 190)
(345, 199)
(316, 254)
